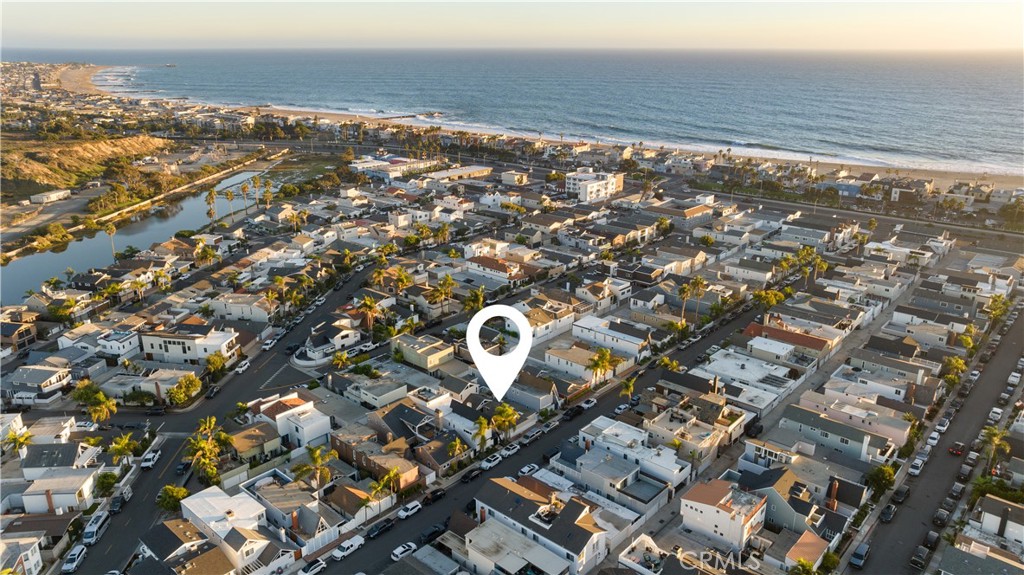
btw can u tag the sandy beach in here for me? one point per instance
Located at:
(80, 80)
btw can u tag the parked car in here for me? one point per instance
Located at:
(529, 470)
(74, 559)
(572, 413)
(531, 437)
(941, 518)
(994, 415)
(268, 344)
(380, 527)
(957, 491)
(150, 459)
(916, 467)
(471, 475)
(410, 509)
(957, 448)
(313, 567)
(86, 426)
(942, 426)
(634, 401)
(621, 409)
(888, 512)
(403, 550)
(972, 458)
(182, 468)
(116, 504)
(242, 367)
(212, 392)
(949, 504)
(491, 462)
(434, 496)
(510, 450)
(901, 493)
(157, 411)
(588, 403)
(965, 472)
(920, 558)
(860, 556)
(432, 533)
(931, 540)
(934, 438)
(347, 547)
(551, 425)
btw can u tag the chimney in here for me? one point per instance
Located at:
(295, 521)
(1004, 518)
(714, 386)
(281, 535)
(49, 500)
(833, 488)
(483, 514)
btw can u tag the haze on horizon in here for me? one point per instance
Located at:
(813, 27)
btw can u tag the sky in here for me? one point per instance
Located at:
(754, 25)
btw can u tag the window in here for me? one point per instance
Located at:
(844, 441)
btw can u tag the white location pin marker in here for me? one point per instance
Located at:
(499, 371)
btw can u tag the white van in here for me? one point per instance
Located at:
(96, 528)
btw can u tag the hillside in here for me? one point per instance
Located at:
(31, 166)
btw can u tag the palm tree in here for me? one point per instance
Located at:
(101, 408)
(110, 230)
(456, 448)
(443, 233)
(601, 363)
(504, 418)
(139, 287)
(340, 360)
(392, 480)
(820, 266)
(122, 447)
(162, 279)
(230, 196)
(245, 195)
(444, 288)
(317, 469)
(480, 435)
(267, 197)
(684, 294)
(669, 363)
(995, 442)
(368, 307)
(475, 301)
(502, 344)
(805, 272)
(403, 280)
(378, 276)
(802, 567)
(211, 202)
(627, 387)
(18, 441)
(698, 287)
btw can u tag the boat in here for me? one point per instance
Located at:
(170, 65)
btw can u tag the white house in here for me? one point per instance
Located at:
(189, 343)
(298, 421)
(243, 307)
(588, 186)
(64, 489)
(623, 338)
(718, 510)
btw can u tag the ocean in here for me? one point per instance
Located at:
(947, 112)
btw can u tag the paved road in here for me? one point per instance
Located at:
(892, 544)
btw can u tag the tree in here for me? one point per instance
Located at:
(317, 469)
(698, 287)
(216, 363)
(995, 443)
(203, 448)
(802, 567)
(122, 447)
(998, 307)
(805, 272)
(368, 307)
(170, 498)
(443, 233)
(456, 448)
(18, 441)
(669, 363)
(110, 230)
(880, 479)
(872, 224)
(505, 418)
(444, 288)
(829, 563)
(339, 360)
(475, 301)
(230, 197)
(105, 483)
(862, 240)
(85, 391)
(211, 202)
(954, 365)
(483, 426)
(626, 387)
(684, 291)
(601, 363)
(767, 299)
(707, 241)
(102, 408)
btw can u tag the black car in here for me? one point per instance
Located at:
(471, 475)
(116, 504)
(941, 518)
(965, 390)
(434, 532)
(949, 504)
(156, 411)
(212, 392)
(182, 468)
(901, 493)
(572, 413)
(702, 358)
(956, 403)
(635, 400)
(435, 495)
(888, 512)
(291, 348)
(380, 527)
(931, 540)
(755, 430)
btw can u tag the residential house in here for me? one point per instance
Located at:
(720, 511)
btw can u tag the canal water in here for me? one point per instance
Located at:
(187, 213)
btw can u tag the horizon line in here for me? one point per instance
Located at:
(534, 49)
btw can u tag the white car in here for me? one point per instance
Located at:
(320, 300)
(360, 267)
(974, 375)
(933, 439)
(410, 510)
(1014, 379)
(347, 547)
(551, 425)
(510, 450)
(368, 347)
(149, 461)
(403, 550)
(242, 367)
(491, 462)
(74, 559)
(313, 567)
(268, 344)
(529, 470)
(916, 467)
(621, 409)
(85, 426)
(942, 425)
(588, 403)
(995, 414)
(185, 276)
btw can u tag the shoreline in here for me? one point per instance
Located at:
(80, 80)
